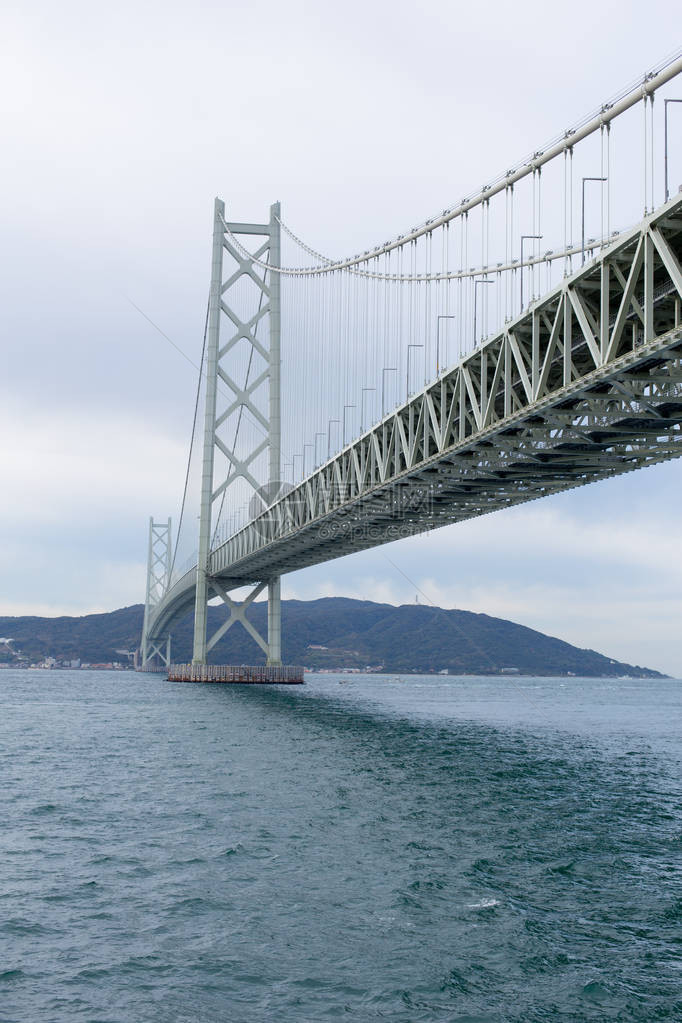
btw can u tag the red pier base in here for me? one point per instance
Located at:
(237, 674)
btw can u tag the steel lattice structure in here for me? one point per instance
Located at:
(585, 385)
(228, 327)
(158, 581)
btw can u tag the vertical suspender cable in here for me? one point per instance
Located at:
(565, 212)
(646, 163)
(570, 206)
(535, 231)
(512, 275)
(652, 180)
(506, 252)
(466, 264)
(538, 233)
(608, 181)
(390, 347)
(601, 172)
(487, 258)
(460, 288)
(427, 307)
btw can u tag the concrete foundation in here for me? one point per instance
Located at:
(270, 674)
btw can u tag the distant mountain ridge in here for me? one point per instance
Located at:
(333, 632)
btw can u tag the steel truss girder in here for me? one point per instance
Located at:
(584, 385)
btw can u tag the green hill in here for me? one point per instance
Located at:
(333, 632)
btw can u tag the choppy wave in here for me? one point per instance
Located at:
(387, 850)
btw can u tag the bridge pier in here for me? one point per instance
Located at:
(153, 657)
(274, 622)
(200, 618)
(273, 675)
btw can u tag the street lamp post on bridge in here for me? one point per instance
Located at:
(362, 405)
(319, 434)
(525, 237)
(442, 316)
(583, 216)
(385, 370)
(407, 372)
(312, 447)
(665, 134)
(329, 436)
(344, 422)
(482, 280)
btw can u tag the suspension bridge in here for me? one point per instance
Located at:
(456, 369)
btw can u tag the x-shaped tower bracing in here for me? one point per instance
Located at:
(235, 328)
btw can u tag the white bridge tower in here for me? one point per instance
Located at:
(236, 331)
(158, 581)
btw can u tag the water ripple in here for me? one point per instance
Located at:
(404, 850)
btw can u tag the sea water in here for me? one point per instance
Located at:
(361, 847)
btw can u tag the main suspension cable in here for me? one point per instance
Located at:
(191, 444)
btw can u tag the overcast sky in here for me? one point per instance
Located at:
(120, 123)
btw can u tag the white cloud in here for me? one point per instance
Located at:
(77, 464)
